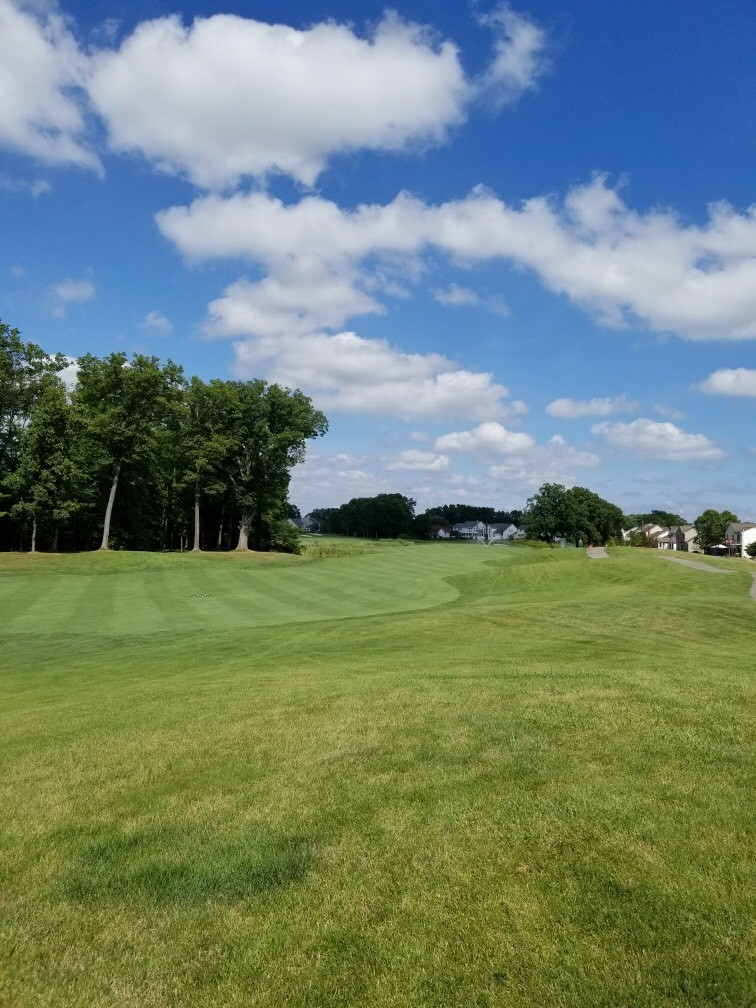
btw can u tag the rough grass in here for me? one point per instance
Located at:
(536, 790)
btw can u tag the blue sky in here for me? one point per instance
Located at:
(497, 244)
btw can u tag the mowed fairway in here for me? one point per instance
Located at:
(434, 775)
(113, 594)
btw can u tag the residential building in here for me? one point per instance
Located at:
(738, 538)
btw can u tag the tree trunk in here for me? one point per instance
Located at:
(220, 531)
(243, 543)
(196, 547)
(34, 536)
(109, 509)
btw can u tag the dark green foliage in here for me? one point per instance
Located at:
(382, 517)
(578, 515)
(711, 526)
(663, 518)
(141, 459)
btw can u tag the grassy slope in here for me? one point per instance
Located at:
(536, 793)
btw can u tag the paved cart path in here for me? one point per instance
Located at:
(698, 566)
(597, 553)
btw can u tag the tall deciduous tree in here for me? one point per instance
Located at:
(44, 479)
(23, 370)
(271, 426)
(711, 526)
(208, 436)
(122, 403)
(550, 513)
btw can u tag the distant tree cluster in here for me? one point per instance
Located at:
(385, 516)
(577, 515)
(663, 518)
(139, 457)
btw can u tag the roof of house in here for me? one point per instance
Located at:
(741, 526)
(468, 524)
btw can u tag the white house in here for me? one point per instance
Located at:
(471, 530)
(738, 538)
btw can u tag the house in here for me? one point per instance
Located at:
(440, 531)
(310, 524)
(685, 538)
(738, 537)
(471, 530)
(500, 530)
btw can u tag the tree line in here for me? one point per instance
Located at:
(139, 457)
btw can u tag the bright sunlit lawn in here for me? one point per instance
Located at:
(428, 775)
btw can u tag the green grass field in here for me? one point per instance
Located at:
(430, 775)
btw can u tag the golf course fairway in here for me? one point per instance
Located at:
(409, 776)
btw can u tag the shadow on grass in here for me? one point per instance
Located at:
(184, 866)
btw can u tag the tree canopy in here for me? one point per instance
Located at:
(140, 458)
(711, 526)
(578, 515)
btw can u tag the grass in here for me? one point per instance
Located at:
(444, 775)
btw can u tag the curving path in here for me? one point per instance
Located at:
(699, 566)
(597, 553)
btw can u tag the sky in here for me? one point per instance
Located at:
(497, 244)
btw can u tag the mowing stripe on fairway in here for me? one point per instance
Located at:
(194, 593)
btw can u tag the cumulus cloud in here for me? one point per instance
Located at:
(156, 322)
(659, 440)
(68, 292)
(696, 281)
(419, 461)
(519, 59)
(348, 373)
(229, 97)
(730, 382)
(40, 66)
(490, 438)
(572, 409)
(552, 462)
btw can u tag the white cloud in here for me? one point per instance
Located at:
(668, 412)
(519, 55)
(230, 97)
(40, 64)
(69, 375)
(659, 440)
(730, 382)
(419, 461)
(488, 439)
(696, 281)
(459, 297)
(348, 373)
(571, 409)
(552, 462)
(34, 187)
(155, 321)
(69, 292)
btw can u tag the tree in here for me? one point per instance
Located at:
(44, 478)
(550, 513)
(711, 526)
(23, 370)
(662, 518)
(595, 520)
(271, 426)
(207, 440)
(121, 405)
